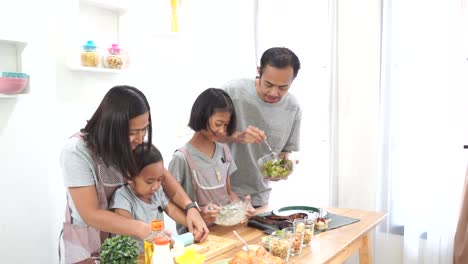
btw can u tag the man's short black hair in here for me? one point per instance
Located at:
(280, 58)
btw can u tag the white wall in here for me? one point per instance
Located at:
(26, 125)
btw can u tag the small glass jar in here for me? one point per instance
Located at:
(89, 56)
(295, 238)
(305, 225)
(279, 246)
(114, 59)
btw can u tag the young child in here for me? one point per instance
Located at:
(203, 166)
(142, 198)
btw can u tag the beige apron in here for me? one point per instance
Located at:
(209, 184)
(82, 243)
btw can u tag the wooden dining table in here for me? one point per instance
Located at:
(332, 246)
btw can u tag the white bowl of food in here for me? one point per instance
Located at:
(232, 213)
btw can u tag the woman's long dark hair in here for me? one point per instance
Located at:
(107, 132)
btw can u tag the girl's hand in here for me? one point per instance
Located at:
(209, 213)
(250, 210)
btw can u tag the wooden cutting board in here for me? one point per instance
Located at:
(214, 246)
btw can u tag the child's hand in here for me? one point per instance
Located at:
(209, 213)
(250, 210)
(167, 232)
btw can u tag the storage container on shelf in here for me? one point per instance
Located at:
(13, 82)
(115, 58)
(89, 56)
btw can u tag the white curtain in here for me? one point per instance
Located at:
(424, 113)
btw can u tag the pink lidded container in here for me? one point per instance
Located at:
(115, 58)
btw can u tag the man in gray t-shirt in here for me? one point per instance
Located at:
(264, 108)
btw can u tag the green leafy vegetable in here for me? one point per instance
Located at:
(119, 250)
(277, 169)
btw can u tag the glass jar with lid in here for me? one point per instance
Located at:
(114, 59)
(89, 56)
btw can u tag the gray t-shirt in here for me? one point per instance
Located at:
(78, 170)
(180, 169)
(125, 199)
(281, 122)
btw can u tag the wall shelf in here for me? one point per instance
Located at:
(166, 35)
(95, 69)
(19, 43)
(10, 96)
(11, 58)
(118, 6)
(99, 21)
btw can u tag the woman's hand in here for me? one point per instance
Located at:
(196, 225)
(178, 196)
(143, 229)
(209, 213)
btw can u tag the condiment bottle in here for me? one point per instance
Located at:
(114, 59)
(162, 252)
(157, 227)
(89, 56)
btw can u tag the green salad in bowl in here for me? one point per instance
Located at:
(274, 168)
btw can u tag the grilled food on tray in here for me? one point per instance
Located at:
(280, 221)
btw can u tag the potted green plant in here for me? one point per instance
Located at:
(119, 250)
